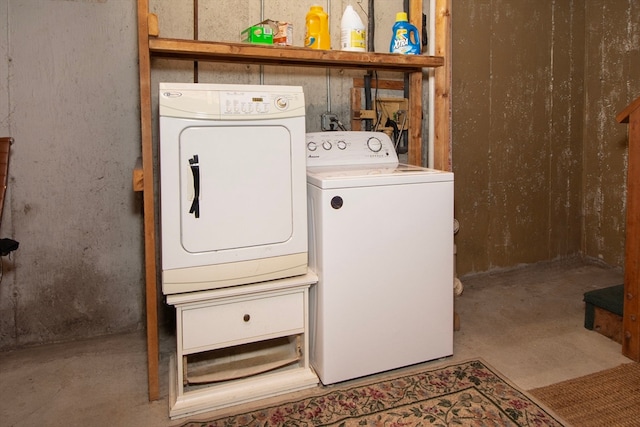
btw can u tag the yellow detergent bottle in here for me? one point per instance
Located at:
(317, 35)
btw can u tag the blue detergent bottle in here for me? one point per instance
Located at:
(405, 38)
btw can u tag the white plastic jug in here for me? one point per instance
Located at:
(353, 36)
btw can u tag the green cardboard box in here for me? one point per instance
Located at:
(261, 33)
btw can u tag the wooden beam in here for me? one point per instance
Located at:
(148, 200)
(358, 82)
(631, 309)
(138, 176)
(152, 22)
(415, 119)
(5, 148)
(442, 98)
(624, 115)
(356, 106)
(356, 101)
(414, 156)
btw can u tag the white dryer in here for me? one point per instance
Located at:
(381, 242)
(232, 183)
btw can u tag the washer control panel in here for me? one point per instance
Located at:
(349, 148)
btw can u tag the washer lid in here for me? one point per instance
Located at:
(373, 175)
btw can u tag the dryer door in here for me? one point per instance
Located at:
(235, 187)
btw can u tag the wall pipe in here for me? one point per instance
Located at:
(369, 124)
(371, 30)
(261, 19)
(195, 37)
(432, 84)
(328, 69)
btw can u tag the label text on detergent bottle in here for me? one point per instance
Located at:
(401, 41)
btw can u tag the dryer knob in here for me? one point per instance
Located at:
(326, 145)
(312, 146)
(341, 145)
(282, 103)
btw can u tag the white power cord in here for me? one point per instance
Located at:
(458, 288)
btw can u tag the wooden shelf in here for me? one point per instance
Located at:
(150, 46)
(193, 50)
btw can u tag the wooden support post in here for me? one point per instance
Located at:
(148, 200)
(356, 106)
(415, 118)
(631, 309)
(356, 98)
(442, 100)
(415, 96)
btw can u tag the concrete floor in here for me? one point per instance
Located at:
(527, 323)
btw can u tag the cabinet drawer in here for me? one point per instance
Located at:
(237, 322)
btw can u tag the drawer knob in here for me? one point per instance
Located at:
(246, 317)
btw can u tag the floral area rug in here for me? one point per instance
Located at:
(465, 394)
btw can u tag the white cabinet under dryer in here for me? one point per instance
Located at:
(232, 174)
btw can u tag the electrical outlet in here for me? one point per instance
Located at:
(329, 122)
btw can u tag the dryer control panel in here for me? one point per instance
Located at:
(230, 102)
(349, 148)
(248, 103)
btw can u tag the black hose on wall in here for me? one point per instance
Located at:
(371, 30)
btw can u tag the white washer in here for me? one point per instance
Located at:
(381, 242)
(232, 182)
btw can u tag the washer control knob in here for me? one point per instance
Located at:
(326, 145)
(341, 145)
(374, 144)
(312, 146)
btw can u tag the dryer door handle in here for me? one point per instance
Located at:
(195, 171)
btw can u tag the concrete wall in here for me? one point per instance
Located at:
(539, 159)
(612, 81)
(69, 97)
(70, 100)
